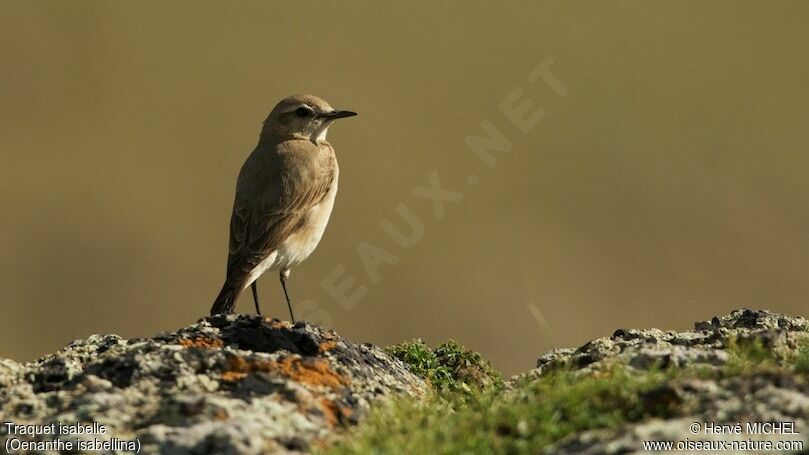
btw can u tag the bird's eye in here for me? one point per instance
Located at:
(303, 111)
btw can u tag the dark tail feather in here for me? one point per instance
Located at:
(226, 300)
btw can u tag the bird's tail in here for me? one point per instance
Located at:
(226, 299)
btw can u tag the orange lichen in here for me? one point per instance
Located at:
(239, 364)
(330, 412)
(327, 345)
(333, 412)
(311, 372)
(238, 369)
(233, 376)
(201, 342)
(316, 372)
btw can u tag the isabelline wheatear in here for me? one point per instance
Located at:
(284, 197)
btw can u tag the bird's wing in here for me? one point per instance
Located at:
(274, 191)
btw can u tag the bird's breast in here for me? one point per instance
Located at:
(303, 241)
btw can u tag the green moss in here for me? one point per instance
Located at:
(471, 413)
(497, 421)
(750, 355)
(801, 362)
(450, 368)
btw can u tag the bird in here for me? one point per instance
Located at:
(285, 193)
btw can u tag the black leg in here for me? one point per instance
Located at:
(286, 294)
(255, 297)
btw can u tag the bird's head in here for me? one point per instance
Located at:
(303, 117)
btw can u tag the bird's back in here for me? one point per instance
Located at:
(279, 191)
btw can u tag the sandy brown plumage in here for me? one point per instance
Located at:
(284, 196)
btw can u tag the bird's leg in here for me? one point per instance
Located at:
(284, 275)
(255, 297)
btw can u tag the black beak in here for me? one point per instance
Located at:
(338, 114)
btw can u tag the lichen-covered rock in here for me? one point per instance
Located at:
(227, 384)
(705, 346)
(746, 401)
(726, 395)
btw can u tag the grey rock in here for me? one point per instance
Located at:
(705, 346)
(738, 400)
(232, 384)
(758, 396)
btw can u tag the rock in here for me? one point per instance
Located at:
(705, 346)
(779, 395)
(743, 400)
(227, 384)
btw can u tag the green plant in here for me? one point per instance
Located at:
(500, 421)
(450, 368)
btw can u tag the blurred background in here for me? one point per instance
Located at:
(670, 183)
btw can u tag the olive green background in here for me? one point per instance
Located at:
(670, 183)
